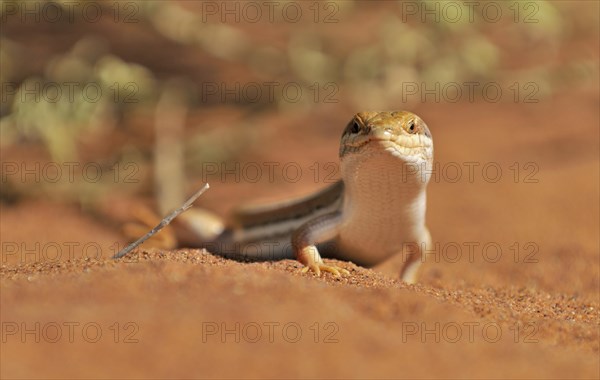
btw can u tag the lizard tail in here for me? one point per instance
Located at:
(198, 227)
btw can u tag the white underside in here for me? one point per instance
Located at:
(384, 206)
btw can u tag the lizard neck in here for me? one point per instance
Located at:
(381, 185)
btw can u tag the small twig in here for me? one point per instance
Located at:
(163, 223)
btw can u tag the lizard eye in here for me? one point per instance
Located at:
(355, 128)
(411, 126)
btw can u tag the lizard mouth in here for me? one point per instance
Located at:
(399, 145)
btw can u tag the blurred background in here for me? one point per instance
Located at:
(106, 105)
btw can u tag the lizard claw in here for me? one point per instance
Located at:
(318, 267)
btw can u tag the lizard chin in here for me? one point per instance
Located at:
(407, 150)
(410, 154)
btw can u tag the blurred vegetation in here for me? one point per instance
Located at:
(368, 53)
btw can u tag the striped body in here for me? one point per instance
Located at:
(373, 213)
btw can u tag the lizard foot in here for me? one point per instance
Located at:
(318, 267)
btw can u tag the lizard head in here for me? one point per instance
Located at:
(399, 133)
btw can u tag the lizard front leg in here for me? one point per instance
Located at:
(414, 258)
(308, 235)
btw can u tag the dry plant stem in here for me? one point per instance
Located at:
(163, 223)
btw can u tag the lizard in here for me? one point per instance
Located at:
(374, 212)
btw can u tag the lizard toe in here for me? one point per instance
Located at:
(317, 268)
